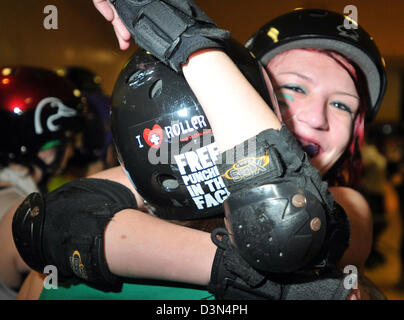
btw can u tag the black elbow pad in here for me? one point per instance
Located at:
(66, 229)
(280, 214)
(281, 228)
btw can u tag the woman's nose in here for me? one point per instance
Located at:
(314, 114)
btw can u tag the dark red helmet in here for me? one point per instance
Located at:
(164, 140)
(38, 110)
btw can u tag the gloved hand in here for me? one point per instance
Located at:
(171, 30)
(233, 279)
(66, 229)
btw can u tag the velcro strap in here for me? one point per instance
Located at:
(148, 28)
(327, 287)
(147, 34)
(160, 13)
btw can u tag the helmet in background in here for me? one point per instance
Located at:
(38, 110)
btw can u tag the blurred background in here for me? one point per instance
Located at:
(84, 38)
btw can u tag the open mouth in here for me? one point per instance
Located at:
(311, 149)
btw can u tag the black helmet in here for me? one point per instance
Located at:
(164, 140)
(38, 110)
(322, 29)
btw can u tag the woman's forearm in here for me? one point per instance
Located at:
(236, 112)
(141, 246)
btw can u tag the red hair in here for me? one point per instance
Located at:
(347, 170)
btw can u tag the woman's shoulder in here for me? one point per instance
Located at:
(361, 224)
(351, 199)
(355, 205)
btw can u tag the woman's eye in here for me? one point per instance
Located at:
(295, 88)
(342, 106)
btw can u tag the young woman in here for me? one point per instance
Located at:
(325, 111)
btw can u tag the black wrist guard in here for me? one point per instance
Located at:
(66, 229)
(232, 278)
(281, 216)
(171, 30)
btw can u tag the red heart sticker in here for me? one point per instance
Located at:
(153, 137)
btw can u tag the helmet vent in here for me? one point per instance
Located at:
(156, 89)
(134, 77)
(168, 182)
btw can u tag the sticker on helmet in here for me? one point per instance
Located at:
(153, 137)
(200, 174)
(187, 148)
(185, 127)
(62, 111)
(350, 33)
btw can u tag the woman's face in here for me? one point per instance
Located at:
(318, 102)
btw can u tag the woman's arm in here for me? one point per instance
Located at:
(154, 248)
(235, 110)
(32, 286)
(141, 246)
(361, 223)
(138, 245)
(12, 267)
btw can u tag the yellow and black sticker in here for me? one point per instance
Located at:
(273, 33)
(77, 265)
(247, 168)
